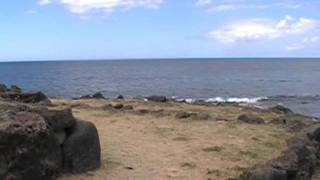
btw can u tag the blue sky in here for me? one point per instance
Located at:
(109, 29)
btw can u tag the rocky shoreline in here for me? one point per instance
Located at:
(38, 141)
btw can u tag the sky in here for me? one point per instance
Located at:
(122, 29)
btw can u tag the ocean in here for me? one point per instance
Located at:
(260, 82)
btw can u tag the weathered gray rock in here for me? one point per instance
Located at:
(251, 119)
(82, 148)
(28, 148)
(157, 98)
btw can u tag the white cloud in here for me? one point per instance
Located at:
(263, 29)
(84, 6)
(44, 2)
(230, 5)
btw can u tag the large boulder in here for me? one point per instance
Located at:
(82, 148)
(28, 148)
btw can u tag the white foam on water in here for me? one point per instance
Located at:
(189, 100)
(236, 100)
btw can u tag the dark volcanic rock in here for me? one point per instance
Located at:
(314, 133)
(281, 109)
(58, 119)
(15, 89)
(98, 95)
(3, 88)
(28, 148)
(266, 173)
(118, 106)
(297, 162)
(251, 119)
(32, 97)
(157, 98)
(82, 148)
(120, 97)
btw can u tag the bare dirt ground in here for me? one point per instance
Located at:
(148, 142)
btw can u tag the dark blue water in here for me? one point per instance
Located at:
(294, 83)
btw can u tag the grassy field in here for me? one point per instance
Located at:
(149, 142)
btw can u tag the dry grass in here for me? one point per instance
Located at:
(149, 143)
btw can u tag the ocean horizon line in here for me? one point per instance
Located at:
(164, 59)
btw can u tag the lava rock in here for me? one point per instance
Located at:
(314, 133)
(82, 148)
(251, 119)
(58, 119)
(61, 136)
(32, 97)
(157, 98)
(120, 97)
(28, 148)
(98, 95)
(266, 173)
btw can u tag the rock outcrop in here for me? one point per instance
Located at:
(29, 149)
(298, 161)
(39, 143)
(14, 93)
